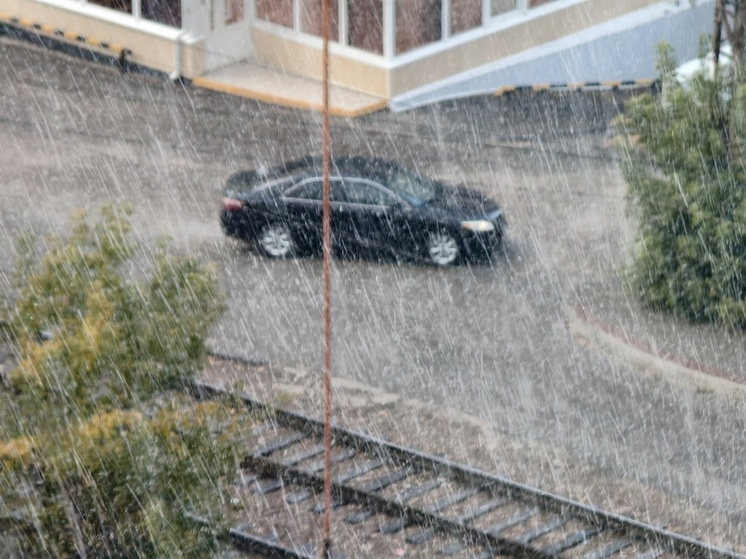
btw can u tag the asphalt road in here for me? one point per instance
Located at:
(487, 339)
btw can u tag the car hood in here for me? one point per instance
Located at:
(463, 202)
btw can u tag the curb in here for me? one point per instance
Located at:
(51, 32)
(576, 86)
(678, 371)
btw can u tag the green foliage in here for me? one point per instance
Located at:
(115, 341)
(97, 453)
(666, 62)
(684, 165)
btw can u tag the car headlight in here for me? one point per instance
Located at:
(478, 226)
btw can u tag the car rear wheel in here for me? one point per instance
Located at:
(276, 241)
(442, 249)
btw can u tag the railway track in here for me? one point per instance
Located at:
(393, 501)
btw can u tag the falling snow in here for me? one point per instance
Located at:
(499, 342)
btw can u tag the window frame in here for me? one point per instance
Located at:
(398, 201)
(389, 59)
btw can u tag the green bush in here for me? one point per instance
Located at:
(683, 162)
(99, 456)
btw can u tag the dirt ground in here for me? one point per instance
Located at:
(463, 438)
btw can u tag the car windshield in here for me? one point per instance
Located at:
(413, 187)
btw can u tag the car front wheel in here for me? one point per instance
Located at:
(442, 248)
(276, 241)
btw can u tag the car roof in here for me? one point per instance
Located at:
(346, 165)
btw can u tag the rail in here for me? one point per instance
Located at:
(450, 507)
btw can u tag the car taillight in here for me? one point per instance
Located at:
(231, 204)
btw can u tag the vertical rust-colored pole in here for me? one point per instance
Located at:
(327, 219)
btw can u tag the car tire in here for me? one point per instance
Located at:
(276, 241)
(442, 248)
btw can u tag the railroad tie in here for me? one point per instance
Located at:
(381, 483)
(452, 549)
(298, 496)
(393, 526)
(279, 444)
(450, 500)
(319, 465)
(311, 549)
(481, 510)
(377, 484)
(503, 525)
(358, 470)
(421, 537)
(418, 490)
(303, 455)
(577, 538)
(359, 516)
(321, 507)
(609, 550)
(542, 530)
(411, 493)
(269, 486)
(454, 499)
(652, 553)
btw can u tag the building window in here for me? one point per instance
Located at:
(465, 15)
(417, 23)
(359, 23)
(118, 5)
(233, 11)
(365, 25)
(498, 7)
(275, 11)
(167, 12)
(311, 20)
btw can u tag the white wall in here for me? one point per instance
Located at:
(622, 49)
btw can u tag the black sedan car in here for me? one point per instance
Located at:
(377, 207)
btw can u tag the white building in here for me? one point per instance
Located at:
(406, 52)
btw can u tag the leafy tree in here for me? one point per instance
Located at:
(684, 164)
(100, 456)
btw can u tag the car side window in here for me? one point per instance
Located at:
(313, 190)
(308, 190)
(337, 191)
(359, 192)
